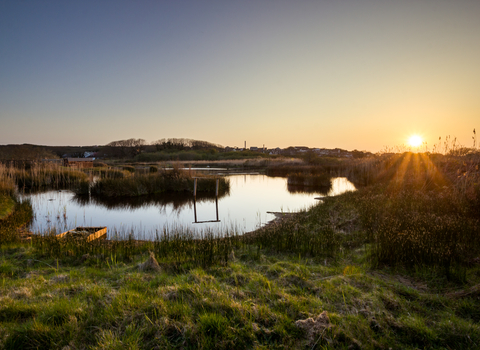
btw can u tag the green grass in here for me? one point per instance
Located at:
(7, 204)
(251, 302)
(21, 214)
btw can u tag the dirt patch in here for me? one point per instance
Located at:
(21, 293)
(314, 327)
(169, 293)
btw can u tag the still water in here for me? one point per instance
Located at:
(243, 209)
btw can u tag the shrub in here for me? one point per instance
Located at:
(129, 168)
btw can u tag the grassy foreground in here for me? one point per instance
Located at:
(256, 301)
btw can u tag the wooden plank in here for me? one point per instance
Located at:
(93, 232)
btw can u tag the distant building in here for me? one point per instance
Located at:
(90, 155)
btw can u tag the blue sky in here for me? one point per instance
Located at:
(348, 74)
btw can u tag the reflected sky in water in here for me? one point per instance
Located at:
(243, 209)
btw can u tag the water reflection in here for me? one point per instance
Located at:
(177, 201)
(244, 209)
(204, 221)
(324, 190)
(340, 185)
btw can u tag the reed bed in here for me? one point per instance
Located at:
(415, 229)
(300, 167)
(321, 180)
(44, 176)
(7, 192)
(173, 247)
(13, 214)
(252, 163)
(185, 247)
(20, 216)
(305, 175)
(106, 173)
(423, 211)
(322, 232)
(175, 180)
(7, 182)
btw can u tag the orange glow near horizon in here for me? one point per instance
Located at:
(415, 141)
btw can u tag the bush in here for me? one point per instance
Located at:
(129, 168)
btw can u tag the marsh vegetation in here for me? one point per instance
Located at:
(394, 265)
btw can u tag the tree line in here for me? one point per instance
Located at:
(132, 147)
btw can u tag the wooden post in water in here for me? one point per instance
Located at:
(195, 201)
(195, 208)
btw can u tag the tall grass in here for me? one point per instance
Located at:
(20, 216)
(13, 214)
(103, 172)
(44, 175)
(323, 231)
(185, 247)
(7, 183)
(175, 180)
(173, 247)
(305, 175)
(309, 180)
(423, 211)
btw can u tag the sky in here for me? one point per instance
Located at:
(351, 74)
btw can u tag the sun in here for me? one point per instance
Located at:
(415, 140)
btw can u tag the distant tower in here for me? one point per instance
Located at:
(245, 145)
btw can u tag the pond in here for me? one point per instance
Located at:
(248, 206)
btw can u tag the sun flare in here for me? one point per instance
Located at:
(415, 140)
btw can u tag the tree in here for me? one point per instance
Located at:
(130, 147)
